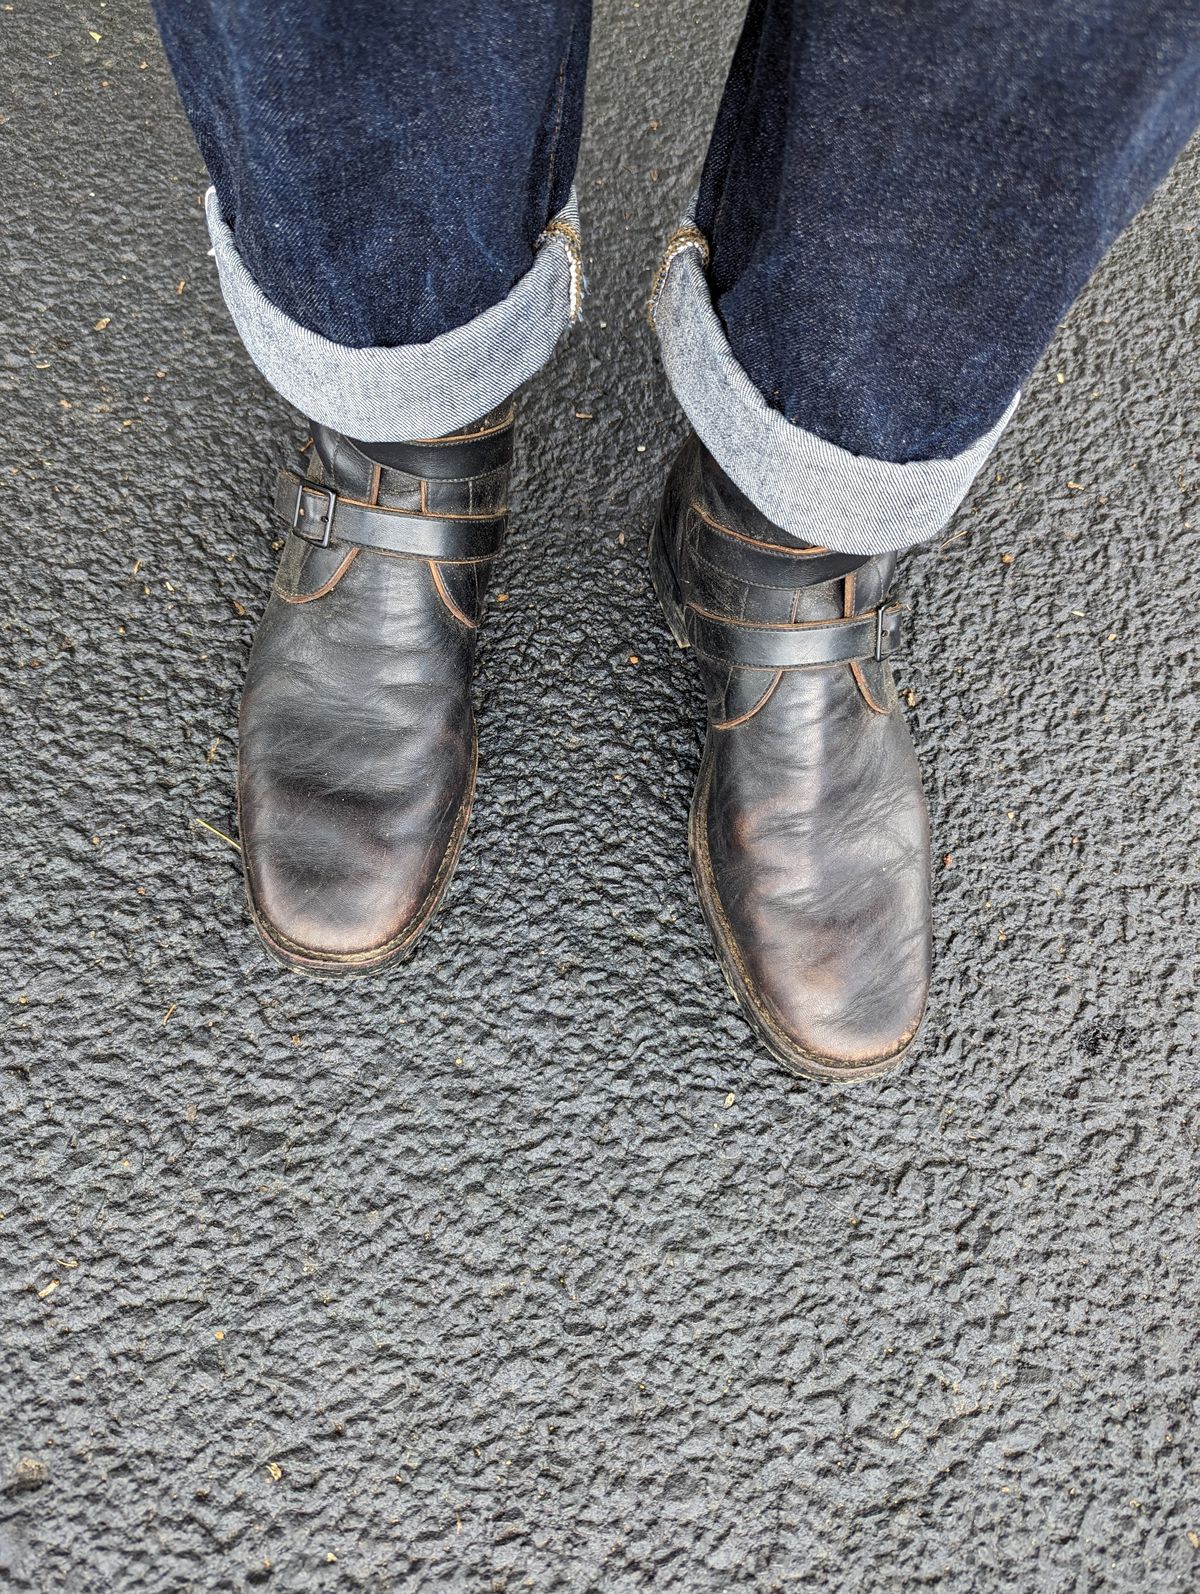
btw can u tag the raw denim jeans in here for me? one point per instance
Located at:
(900, 201)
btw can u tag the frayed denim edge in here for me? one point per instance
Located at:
(419, 389)
(811, 488)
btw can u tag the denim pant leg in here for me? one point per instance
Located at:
(900, 202)
(392, 210)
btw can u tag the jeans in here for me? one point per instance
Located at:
(903, 199)
(900, 201)
(387, 165)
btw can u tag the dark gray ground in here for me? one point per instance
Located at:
(523, 1268)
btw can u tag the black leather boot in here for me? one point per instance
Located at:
(358, 745)
(809, 833)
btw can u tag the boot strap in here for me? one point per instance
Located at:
(767, 564)
(447, 459)
(321, 516)
(752, 645)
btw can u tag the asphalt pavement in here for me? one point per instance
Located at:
(522, 1266)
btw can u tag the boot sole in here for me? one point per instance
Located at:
(358, 965)
(799, 1063)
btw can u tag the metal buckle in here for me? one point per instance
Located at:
(881, 615)
(323, 540)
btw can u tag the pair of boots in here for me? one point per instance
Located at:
(808, 837)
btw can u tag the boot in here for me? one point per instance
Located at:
(357, 736)
(809, 835)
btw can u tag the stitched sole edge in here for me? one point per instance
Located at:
(358, 965)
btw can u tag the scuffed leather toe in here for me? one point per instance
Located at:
(352, 883)
(825, 979)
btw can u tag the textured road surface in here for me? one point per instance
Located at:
(522, 1267)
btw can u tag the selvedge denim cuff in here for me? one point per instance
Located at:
(810, 488)
(418, 389)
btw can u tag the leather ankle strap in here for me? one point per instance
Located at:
(446, 459)
(321, 516)
(766, 564)
(752, 645)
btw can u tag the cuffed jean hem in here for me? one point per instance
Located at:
(812, 489)
(416, 390)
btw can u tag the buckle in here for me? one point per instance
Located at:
(327, 519)
(881, 615)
